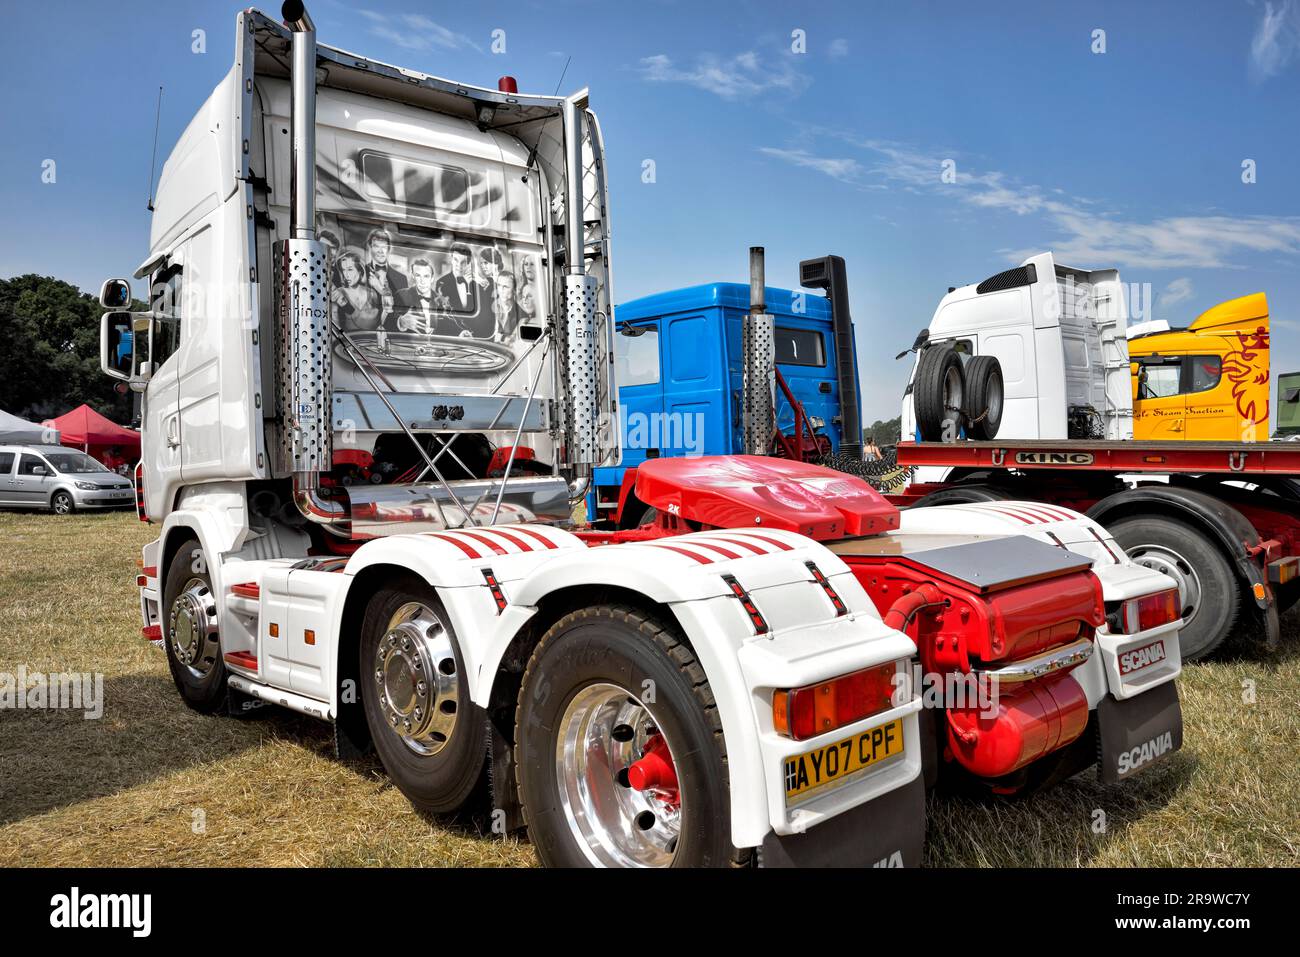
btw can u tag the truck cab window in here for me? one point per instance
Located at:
(1206, 372)
(637, 360)
(1159, 379)
(800, 347)
(166, 301)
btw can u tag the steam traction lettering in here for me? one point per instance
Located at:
(1140, 658)
(805, 773)
(1145, 753)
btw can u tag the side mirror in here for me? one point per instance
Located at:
(115, 294)
(126, 346)
(39, 470)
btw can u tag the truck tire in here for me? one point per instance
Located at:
(586, 735)
(190, 636)
(430, 736)
(963, 495)
(1210, 594)
(937, 394)
(984, 397)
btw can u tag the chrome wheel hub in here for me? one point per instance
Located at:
(192, 624)
(617, 780)
(1166, 560)
(415, 672)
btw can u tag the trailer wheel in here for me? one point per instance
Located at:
(1206, 584)
(431, 738)
(984, 395)
(937, 393)
(621, 758)
(190, 635)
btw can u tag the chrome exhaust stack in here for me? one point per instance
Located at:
(306, 385)
(758, 363)
(581, 296)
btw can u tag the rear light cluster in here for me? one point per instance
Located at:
(822, 580)
(1149, 611)
(806, 712)
(755, 616)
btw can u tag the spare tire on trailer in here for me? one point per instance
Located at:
(984, 394)
(937, 394)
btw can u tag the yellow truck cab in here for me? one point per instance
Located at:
(1207, 382)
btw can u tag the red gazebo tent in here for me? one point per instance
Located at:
(84, 428)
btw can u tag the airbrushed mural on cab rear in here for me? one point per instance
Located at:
(1207, 382)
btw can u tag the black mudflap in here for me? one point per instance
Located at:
(1136, 733)
(886, 832)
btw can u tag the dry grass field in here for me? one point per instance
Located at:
(152, 783)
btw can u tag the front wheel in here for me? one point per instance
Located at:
(622, 761)
(1207, 586)
(190, 634)
(63, 504)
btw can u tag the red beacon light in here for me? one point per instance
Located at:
(507, 84)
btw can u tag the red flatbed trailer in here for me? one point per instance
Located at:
(1222, 518)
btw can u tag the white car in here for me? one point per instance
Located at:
(59, 479)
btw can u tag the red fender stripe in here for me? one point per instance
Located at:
(482, 540)
(702, 559)
(724, 552)
(743, 544)
(533, 533)
(519, 543)
(463, 546)
(999, 512)
(763, 538)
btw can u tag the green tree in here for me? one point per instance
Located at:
(50, 360)
(883, 431)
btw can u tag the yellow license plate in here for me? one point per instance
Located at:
(812, 770)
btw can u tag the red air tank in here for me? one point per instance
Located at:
(1029, 721)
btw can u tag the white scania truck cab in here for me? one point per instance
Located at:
(376, 375)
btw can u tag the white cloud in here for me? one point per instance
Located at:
(1276, 41)
(731, 78)
(1074, 231)
(1178, 290)
(415, 31)
(846, 170)
(839, 48)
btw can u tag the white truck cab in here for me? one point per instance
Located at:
(1059, 334)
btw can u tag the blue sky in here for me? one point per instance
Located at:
(1131, 157)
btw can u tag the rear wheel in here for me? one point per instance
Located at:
(63, 504)
(938, 391)
(1206, 585)
(431, 738)
(190, 634)
(622, 761)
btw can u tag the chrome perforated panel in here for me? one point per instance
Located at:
(581, 378)
(758, 371)
(305, 361)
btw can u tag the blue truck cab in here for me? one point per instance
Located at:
(678, 367)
